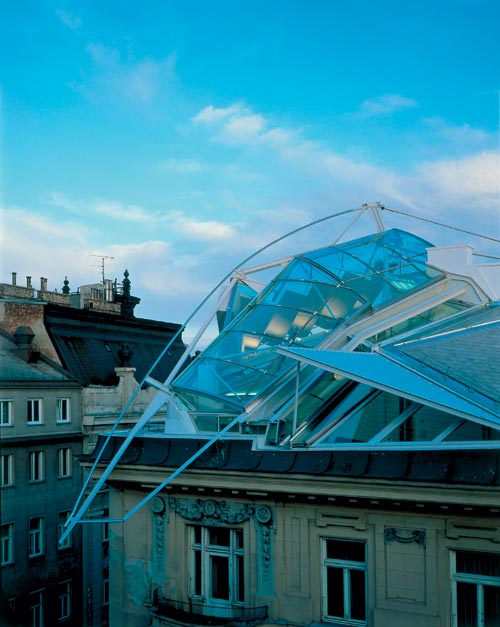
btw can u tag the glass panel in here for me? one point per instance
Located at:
(335, 592)
(358, 600)
(491, 606)
(219, 571)
(347, 550)
(197, 535)
(219, 536)
(470, 431)
(240, 591)
(423, 426)
(238, 535)
(197, 573)
(466, 605)
(477, 563)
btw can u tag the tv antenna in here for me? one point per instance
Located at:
(103, 259)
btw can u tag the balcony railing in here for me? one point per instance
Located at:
(196, 614)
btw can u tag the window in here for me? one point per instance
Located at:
(35, 537)
(6, 413)
(7, 547)
(35, 416)
(65, 600)
(7, 470)
(36, 466)
(36, 609)
(105, 586)
(63, 413)
(64, 464)
(62, 518)
(344, 581)
(218, 565)
(476, 589)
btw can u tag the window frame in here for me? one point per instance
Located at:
(36, 466)
(65, 600)
(62, 518)
(63, 416)
(200, 568)
(347, 567)
(36, 544)
(470, 578)
(64, 463)
(36, 608)
(6, 410)
(7, 470)
(7, 556)
(31, 413)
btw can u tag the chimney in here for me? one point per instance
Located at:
(43, 284)
(24, 338)
(28, 281)
(14, 278)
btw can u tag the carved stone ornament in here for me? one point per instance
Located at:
(405, 536)
(158, 505)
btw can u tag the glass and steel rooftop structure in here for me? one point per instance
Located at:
(302, 307)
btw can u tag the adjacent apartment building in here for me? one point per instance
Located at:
(69, 364)
(332, 458)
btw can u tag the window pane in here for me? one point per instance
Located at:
(345, 550)
(358, 594)
(335, 592)
(218, 536)
(466, 605)
(220, 577)
(476, 563)
(491, 606)
(240, 593)
(197, 573)
(239, 538)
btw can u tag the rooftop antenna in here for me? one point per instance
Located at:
(102, 258)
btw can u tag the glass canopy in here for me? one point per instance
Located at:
(301, 307)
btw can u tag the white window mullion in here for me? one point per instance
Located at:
(480, 605)
(347, 592)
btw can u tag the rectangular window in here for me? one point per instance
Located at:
(35, 537)
(62, 518)
(476, 589)
(7, 470)
(65, 463)
(65, 600)
(344, 581)
(6, 413)
(36, 609)
(218, 565)
(34, 411)
(63, 413)
(36, 470)
(7, 540)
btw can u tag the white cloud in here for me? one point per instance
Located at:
(474, 178)
(457, 133)
(386, 104)
(212, 114)
(200, 230)
(69, 19)
(182, 166)
(108, 208)
(139, 81)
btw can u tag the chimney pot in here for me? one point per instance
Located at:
(43, 284)
(28, 281)
(14, 278)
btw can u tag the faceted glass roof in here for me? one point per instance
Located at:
(301, 307)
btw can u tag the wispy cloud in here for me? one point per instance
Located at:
(461, 134)
(108, 208)
(69, 19)
(201, 230)
(182, 166)
(135, 80)
(384, 105)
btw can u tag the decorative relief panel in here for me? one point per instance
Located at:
(159, 511)
(405, 564)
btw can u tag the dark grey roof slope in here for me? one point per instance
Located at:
(478, 467)
(89, 343)
(468, 351)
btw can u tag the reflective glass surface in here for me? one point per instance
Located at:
(301, 307)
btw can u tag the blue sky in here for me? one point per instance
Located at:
(178, 137)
